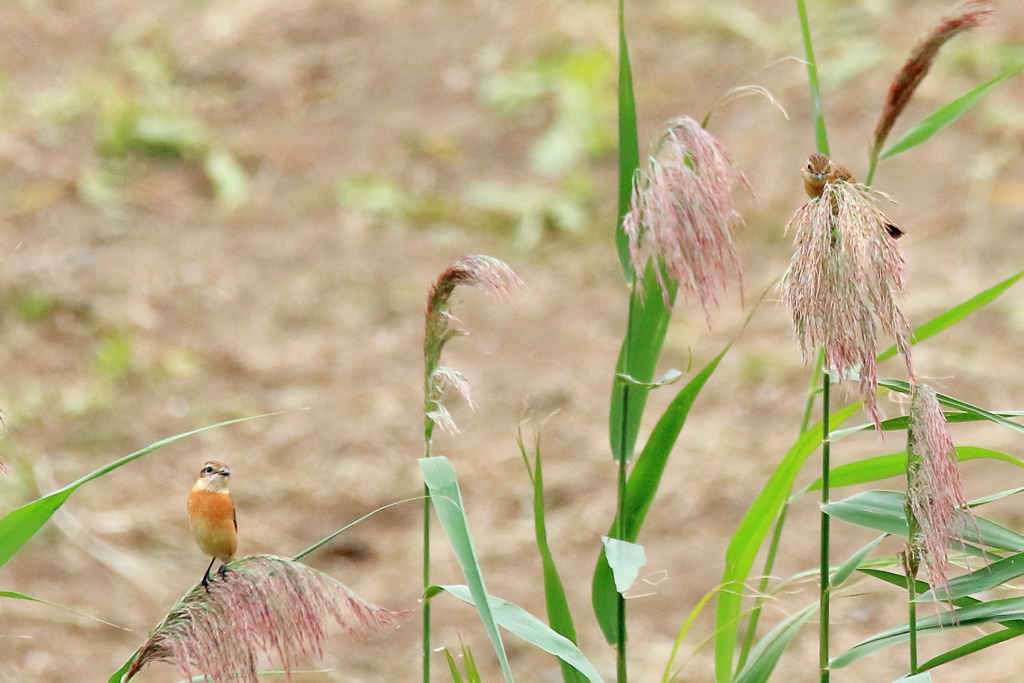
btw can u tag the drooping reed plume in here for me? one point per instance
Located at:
(493, 277)
(964, 17)
(262, 605)
(843, 282)
(936, 509)
(682, 214)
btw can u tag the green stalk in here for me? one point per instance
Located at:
(620, 523)
(426, 583)
(762, 588)
(428, 436)
(821, 138)
(824, 590)
(912, 592)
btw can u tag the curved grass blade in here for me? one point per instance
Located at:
(747, 540)
(668, 676)
(954, 315)
(946, 114)
(22, 596)
(983, 579)
(559, 615)
(641, 487)
(531, 629)
(769, 649)
(641, 347)
(439, 476)
(843, 572)
(963, 406)
(883, 511)
(629, 146)
(21, 524)
(974, 646)
(994, 611)
(895, 464)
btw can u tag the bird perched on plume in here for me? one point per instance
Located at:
(211, 514)
(821, 171)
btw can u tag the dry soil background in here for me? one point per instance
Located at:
(132, 317)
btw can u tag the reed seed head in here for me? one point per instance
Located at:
(263, 604)
(937, 509)
(842, 283)
(681, 215)
(492, 276)
(965, 16)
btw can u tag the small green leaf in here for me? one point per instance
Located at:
(625, 559)
(119, 675)
(947, 114)
(228, 178)
(843, 572)
(559, 615)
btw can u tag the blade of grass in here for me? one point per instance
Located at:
(895, 464)
(641, 488)
(629, 146)
(883, 511)
(769, 649)
(641, 347)
(993, 611)
(559, 615)
(21, 524)
(439, 476)
(820, 135)
(948, 401)
(954, 315)
(750, 534)
(946, 114)
(974, 646)
(531, 629)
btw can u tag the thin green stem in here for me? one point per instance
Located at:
(762, 588)
(912, 593)
(426, 583)
(824, 589)
(620, 517)
(821, 137)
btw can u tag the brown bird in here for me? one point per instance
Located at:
(820, 171)
(211, 514)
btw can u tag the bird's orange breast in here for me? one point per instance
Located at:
(212, 518)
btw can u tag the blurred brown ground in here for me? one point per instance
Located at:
(291, 304)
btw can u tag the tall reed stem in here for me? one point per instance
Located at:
(824, 589)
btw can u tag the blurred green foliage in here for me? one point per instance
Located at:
(573, 90)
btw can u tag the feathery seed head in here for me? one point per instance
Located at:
(681, 214)
(489, 274)
(263, 604)
(965, 16)
(936, 507)
(843, 281)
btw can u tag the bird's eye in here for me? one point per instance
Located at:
(207, 470)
